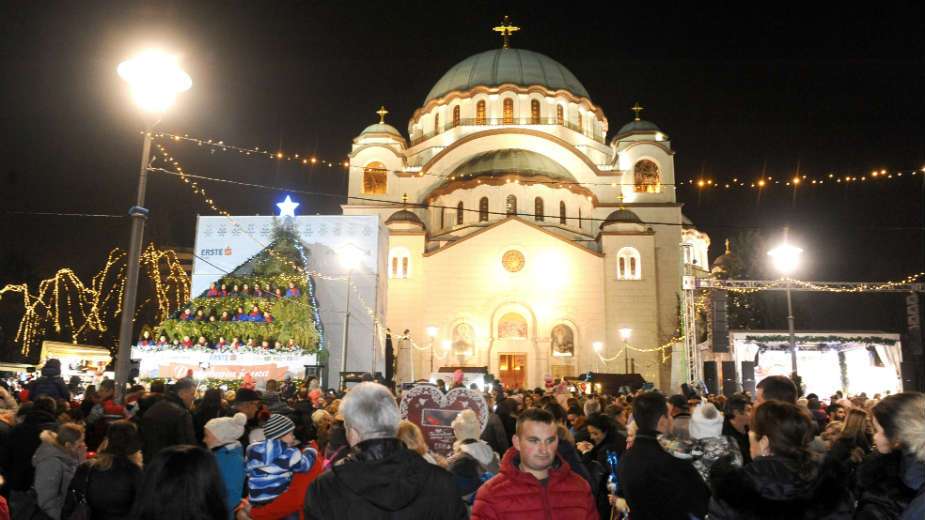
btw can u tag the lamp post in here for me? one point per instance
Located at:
(432, 333)
(155, 80)
(350, 257)
(625, 334)
(598, 346)
(785, 258)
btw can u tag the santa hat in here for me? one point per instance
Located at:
(227, 429)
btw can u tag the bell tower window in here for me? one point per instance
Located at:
(374, 178)
(646, 177)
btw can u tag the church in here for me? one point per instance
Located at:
(521, 237)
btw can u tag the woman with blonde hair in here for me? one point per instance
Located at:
(411, 436)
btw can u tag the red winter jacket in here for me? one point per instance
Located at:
(514, 494)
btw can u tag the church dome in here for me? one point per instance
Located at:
(404, 216)
(638, 125)
(498, 66)
(501, 162)
(623, 216)
(381, 128)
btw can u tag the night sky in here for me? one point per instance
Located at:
(831, 88)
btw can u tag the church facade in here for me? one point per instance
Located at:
(522, 235)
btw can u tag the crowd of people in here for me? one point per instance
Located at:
(288, 451)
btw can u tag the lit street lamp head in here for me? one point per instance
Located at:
(155, 79)
(597, 346)
(625, 333)
(785, 258)
(432, 331)
(350, 256)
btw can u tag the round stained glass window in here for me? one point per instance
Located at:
(513, 260)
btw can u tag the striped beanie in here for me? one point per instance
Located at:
(277, 426)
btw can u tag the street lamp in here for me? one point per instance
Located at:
(155, 80)
(350, 257)
(785, 258)
(625, 334)
(432, 333)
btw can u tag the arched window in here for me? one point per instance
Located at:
(455, 116)
(437, 122)
(459, 213)
(629, 264)
(560, 115)
(647, 178)
(562, 219)
(374, 178)
(510, 205)
(579, 218)
(535, 112)
(580, 118)
(538, 209)
(399, 263)
(483, 209)
(442, 219)
(508, 111)
(480, 112)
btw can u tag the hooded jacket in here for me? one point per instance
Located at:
(270, 465)
(473, 459)
(381, 478)
(51, 383)
(515, 494)
(16, 454)
(54, 469)
(771, 488)
(882, 495)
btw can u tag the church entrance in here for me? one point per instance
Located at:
(512, 370)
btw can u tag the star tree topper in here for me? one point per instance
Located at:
(287, 207)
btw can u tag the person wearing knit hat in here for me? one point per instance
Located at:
(472, 458)
(272, 462)
(221, 436)
(710, 445)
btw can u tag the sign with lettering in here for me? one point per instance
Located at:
(433, 412)
(219, 365)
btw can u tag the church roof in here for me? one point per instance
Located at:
(497, 66)
(622, 215)
(403, 216)
(381, 128)
(496, 163)
(638, 125)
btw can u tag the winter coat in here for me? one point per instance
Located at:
(16, 454)
(166, 423)
(270, 464)
(50, 384)
(470, 463)
(54, 469)
(515, 494)
(598, 467)
(382, 479)
(882, 495)
(230, 459)
(914, 477)
(569, 453)
(496, 435)
(740, 438)
(703, 453)
(771, 488)
(110, 493)
(275, 404)
(657, 485)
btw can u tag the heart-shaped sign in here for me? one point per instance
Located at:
(433, 412)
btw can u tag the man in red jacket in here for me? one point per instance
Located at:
(534, 481)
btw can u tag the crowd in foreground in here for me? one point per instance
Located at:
(286, 452)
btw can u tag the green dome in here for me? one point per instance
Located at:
(638, 126)
(501, 162)
(381, 128)
(623, 216)
(404, 216)
(518, 66)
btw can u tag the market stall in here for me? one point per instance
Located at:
(88, 362)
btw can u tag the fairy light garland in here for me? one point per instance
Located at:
(799, 181)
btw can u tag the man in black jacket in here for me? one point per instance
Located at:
(169, 422)
(16, 454)
(51, 383)
(655, 484)
(380, 478)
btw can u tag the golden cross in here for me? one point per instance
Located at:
(728, 251)
(506, 29)
(404, 198)
(620, 197)
(636, 108)
(382, 112)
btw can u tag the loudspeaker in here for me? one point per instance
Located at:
(910, 376)
(709, 376)
(748, 377)
(720, 320)
(730, 385)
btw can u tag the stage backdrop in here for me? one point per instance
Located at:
(223, 244)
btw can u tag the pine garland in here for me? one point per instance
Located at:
(784, 338)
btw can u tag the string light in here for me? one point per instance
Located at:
(65, 302)
(827, 179)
